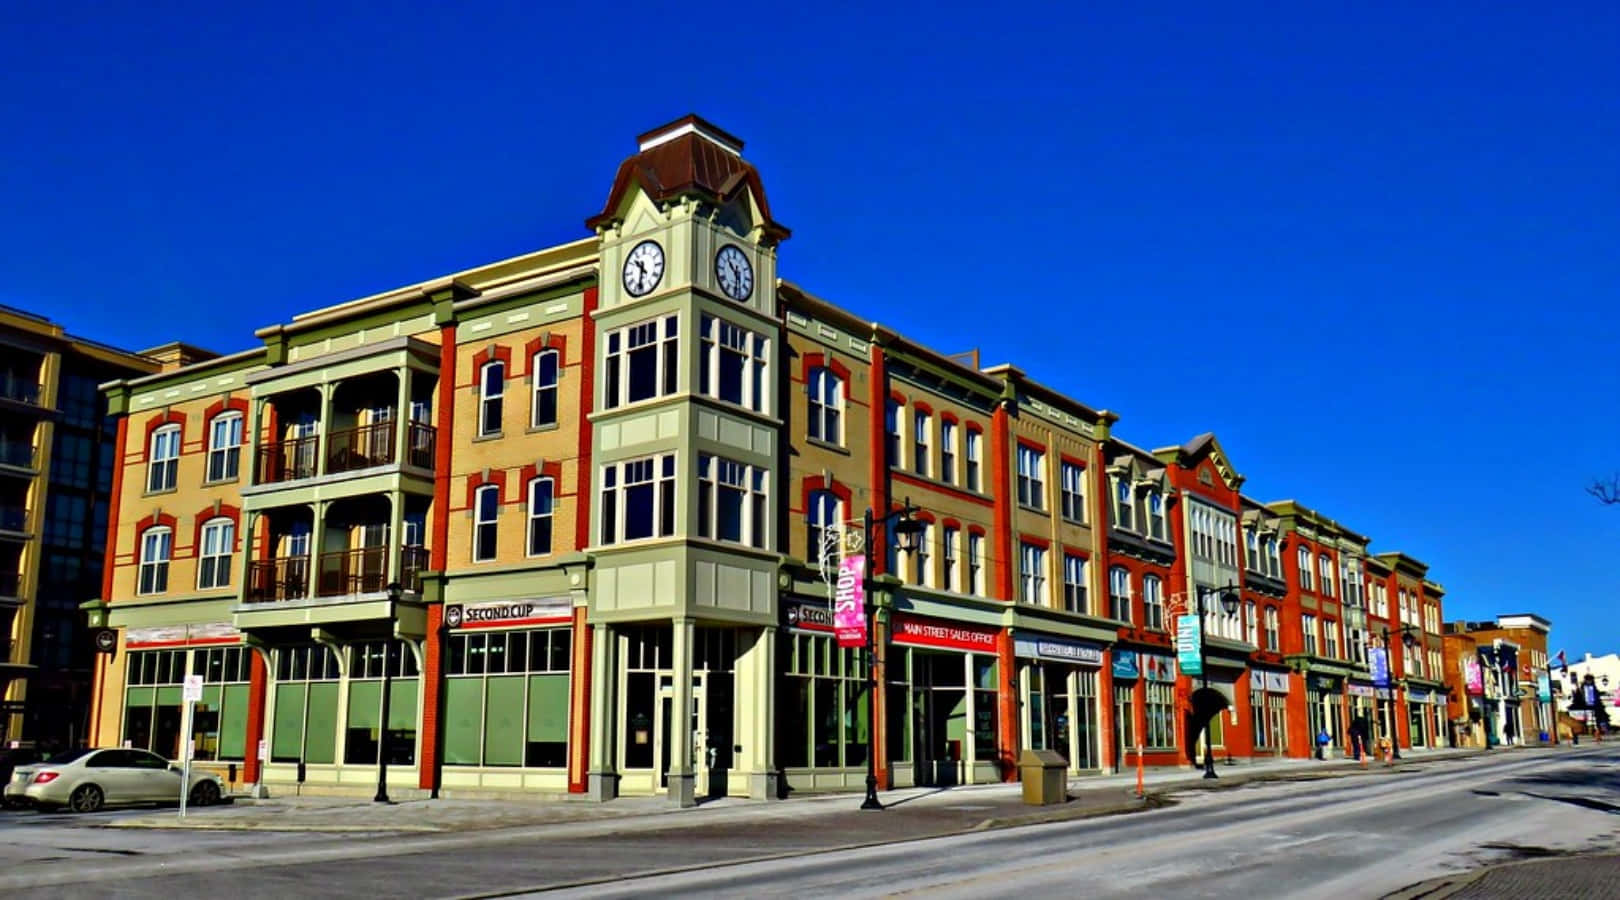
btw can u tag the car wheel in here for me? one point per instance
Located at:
(86, 798)
(205, 794)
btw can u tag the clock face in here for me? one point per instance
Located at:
(643, 268)
(735, 275)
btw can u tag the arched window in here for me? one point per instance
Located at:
(157, 544)
(214, 548)
(1153, 601)
(821, 520)
(1119, 594)
(541, 497)
(491, 388)
(225, 446)
(543, 371)
(163, 459)
(486, 503)
(826, 406)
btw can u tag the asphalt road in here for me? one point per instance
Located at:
(1347, 837)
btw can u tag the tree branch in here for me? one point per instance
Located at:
(1607, 492)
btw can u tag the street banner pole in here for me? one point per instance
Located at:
(192, 693)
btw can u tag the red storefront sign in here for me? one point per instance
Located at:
(952, 635)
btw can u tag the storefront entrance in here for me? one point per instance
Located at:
(648, 709)
(1057, 690)
(946, 675)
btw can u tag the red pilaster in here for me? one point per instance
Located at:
(579, 705)
(1001, 493)
(255, 718)
(1007, 697)
(880, 708)
(1105, 714)
(877, 445)
(438, 555)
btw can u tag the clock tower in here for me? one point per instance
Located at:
(687, 473)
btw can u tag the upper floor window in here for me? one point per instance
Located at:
(891, 431)
(731, 501)
(1074, 584)
(1273, 637)
(975, 562)
(1308, 625)
(947, 452)
(1119, 594)
(1124, 505)
(1251, 554)
(638, 499)
(1031, 477)
(1324, 568)
(1251, 623)
(922, 424)
(641, 362)
(542, 498)
(486, 507)
(1274, 556)
(826, 405)
(214, 556)
(923, 571)
(732, 366)
(950, 559)
(1074, 492)
(163, 460)
(1330, 637)
(491, 388)
(1153, 602)
(1032, 574)
(972, 457)
(157, 544)
(544, 371)
(225, 447)
(1304, 568)
(1155, 505)
(821, 522)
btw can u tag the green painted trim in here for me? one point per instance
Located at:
(574, 287)
(422, 307)
(393, 481)
(195, 372)
(1021, 619)
(134, 614)
(529, 583)
(318, 613)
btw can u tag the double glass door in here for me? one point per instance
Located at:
(649, 726)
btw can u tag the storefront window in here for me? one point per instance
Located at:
(152, 700)
(984, 708)
(365, 728)
(1161, 716)
(1257, 719)
(506, 698)
(219, 720)
(1125, 715)
(303, 727)
(826, 715)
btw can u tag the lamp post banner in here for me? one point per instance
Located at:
(1378, 661)
(1189, 641)
(1543, 688)
(1473, 677)
(849, 602)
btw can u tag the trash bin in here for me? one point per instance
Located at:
(1045, 777)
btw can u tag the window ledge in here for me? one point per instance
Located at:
(540, 429)
(159, 493)
(826, 445)
(492, 436)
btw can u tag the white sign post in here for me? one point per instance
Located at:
(190, 694)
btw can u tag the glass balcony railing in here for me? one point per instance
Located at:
(18, 453)
(10, 584)
(20, 388)
(13, 518)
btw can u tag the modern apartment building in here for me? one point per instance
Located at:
(56, 463)
(569, 522)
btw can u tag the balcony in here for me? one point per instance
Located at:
(347, 450)
(278, 580)
(14, 518)
(342, 573)
(10, 588)
(287, 460)
(19, 389)
(365, 447)
(19, 454)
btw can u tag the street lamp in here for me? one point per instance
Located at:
(907, 532)
(394, 592)
(1410, 641)
(1230, 596)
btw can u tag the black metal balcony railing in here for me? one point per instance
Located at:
(277, 580)
(13, 518)
(17, 453)
(360, 448)
(413, 561)
(19, 388)
(420, 443)
(365, 571)
(288, 460)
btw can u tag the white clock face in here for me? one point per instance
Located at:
(735, 275)
(643, 268)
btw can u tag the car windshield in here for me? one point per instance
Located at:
(67, 756)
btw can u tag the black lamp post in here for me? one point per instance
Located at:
(907, 532)
(1410, 641)
(394, 591)
(1230, 596)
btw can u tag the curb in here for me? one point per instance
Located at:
(259, 826)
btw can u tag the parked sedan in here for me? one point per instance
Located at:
(87, 780)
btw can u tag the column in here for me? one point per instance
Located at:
(258, 676)
(322, 428)
(396, 536)
(402, 416)
(880, 702)
(760, 685)
(431, 699)
(682, 777)
(1106, 757)
(579, 704)
(602, 780)
(1007, 702)
(317, 540)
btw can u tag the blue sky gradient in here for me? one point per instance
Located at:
(1371, 247)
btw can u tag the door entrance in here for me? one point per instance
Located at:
(650, 728)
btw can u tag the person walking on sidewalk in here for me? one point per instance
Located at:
(1358, 736)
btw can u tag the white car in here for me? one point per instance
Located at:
(87, 780)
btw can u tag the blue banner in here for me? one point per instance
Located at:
(1378, 661)
(1189, 645)
(1125, 664)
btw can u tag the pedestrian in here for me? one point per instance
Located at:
(1358, 736)
(1322, 741)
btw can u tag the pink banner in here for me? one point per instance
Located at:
(849, 602)
(1474, 677)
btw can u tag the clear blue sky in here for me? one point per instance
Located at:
(1374, 250)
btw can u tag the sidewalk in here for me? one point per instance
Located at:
(1555, 878)
(932, 810)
